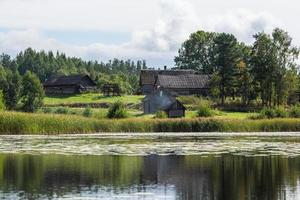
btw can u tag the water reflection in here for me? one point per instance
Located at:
(152, 177)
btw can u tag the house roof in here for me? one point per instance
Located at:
(149, 76)
(67, 80)
(187, 81)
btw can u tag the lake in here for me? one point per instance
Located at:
(152, 167)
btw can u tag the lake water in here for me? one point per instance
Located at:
(153, 167)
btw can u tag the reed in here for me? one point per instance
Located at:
(24, 123)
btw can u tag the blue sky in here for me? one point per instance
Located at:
(135, 29)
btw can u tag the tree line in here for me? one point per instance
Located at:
(21, 77)
(266, 70)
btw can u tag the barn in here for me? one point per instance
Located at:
(74, 84)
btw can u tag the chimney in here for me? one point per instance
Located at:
(165, 67)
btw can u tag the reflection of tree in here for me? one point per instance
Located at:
(235, 177)
(194, 177)
(52, 173)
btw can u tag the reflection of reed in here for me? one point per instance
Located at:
(193, 177)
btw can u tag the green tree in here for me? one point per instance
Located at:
(263, 60)
(198, 53)
(227, 58)
(32, 92)
(285, 55)
(12, 93)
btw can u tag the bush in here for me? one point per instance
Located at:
(204, 111)
(193, 102)
(270, 113)
(47, 110)
(87, 112)
(161, 115)
(61, 110)
(117, 110)
(295, 112)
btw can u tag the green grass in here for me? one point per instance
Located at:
(25, 123)
(91, 98)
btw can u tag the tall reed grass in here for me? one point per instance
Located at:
(24, 123)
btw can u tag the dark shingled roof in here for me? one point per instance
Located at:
(187, 81)
(66, 80)
(149, 76)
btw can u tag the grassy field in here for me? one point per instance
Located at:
(24, 123)
(55, 102)
(91, 98)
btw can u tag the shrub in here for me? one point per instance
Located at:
(193, 102)
(204, 111)
(117, 110)
(161, 115)
(47, 110)
(87, 112)
(61, 110)
(270, 113)
(294, 112)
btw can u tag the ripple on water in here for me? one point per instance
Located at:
(120, 145)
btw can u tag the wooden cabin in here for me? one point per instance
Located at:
(148, 78)
(177, 82)
(184, 85)
(74, 84)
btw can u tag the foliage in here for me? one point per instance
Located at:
(87, 112)
(193, 102)
(61, 110)
(161, 115)
(45, 64)
(295, 111)
(265, 70)
(117, 110)
(32, 93)
(204, 111)
(270, 113)
(2, 104)
(197, 53)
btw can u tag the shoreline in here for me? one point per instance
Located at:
(153, 135)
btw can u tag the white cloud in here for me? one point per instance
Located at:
(176, 19)
(242, 23)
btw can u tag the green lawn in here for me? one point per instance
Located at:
(91, 98)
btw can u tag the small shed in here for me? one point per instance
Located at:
(176, 110)
(162, 100)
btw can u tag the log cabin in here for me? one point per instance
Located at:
(74, 84)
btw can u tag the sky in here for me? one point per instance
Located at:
(135, 29)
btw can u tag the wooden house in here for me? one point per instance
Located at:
(148, 78)
(184, 84)
(177, 82)
(74, 84)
